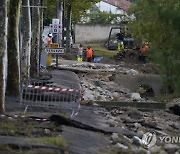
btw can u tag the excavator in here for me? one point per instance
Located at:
(131, 46)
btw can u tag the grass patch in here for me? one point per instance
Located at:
(100, 50)
(165, 98)
(5, 148)
(59, 141)
(7, 126)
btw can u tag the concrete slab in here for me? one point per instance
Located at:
(65, 79)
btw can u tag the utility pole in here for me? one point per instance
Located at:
(63, 21)
(57, 35)
(57, 17)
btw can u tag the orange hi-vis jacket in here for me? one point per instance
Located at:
(144, 49)
(49, 40)
(89, 53)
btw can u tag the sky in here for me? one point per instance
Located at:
(106, 7)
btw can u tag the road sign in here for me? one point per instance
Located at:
(55, 21)
(51, 28)
(55, 50)
(56, 28)
(54, 45)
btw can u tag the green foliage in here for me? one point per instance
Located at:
(103, 18)
(49, 12)
(8, 127)
(157, 21)
(59, 141)
(100, 50)
(79, 9)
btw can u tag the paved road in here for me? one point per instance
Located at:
(66, 79)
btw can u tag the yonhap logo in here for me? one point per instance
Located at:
(149, 139)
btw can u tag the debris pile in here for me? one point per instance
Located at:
(159, 125)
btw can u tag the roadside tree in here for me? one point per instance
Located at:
(3, 53)
(13, 78)
(25, 40)
(35, 43)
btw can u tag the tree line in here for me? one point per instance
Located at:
(158, 22)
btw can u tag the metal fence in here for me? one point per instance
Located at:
(44, 93)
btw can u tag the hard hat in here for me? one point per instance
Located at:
(50, 35)
(121, 42)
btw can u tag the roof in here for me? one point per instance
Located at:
(122, 4)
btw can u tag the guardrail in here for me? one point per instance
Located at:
(43, 93)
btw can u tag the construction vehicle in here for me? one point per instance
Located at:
(112, 43)
(131, 47)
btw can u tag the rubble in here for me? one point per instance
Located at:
(121, 146)
(136, 97)
(171, 148)
(98, 86)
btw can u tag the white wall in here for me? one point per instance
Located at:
(103, 6)
(85, 33)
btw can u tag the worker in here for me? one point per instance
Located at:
(120, 45)
(143, 52)
(120, 38)
(49, 42)
(49, 39)
(80, 53)
(89, 54)
(121, 49)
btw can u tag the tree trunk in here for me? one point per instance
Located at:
(13, 82)
(3, 53)
(35, 48)
(26, 40)
(41, 26)
(68, 27)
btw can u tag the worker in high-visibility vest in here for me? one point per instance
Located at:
(143, 52)
(89, 54)
(49, 39)
(120, 45)
(80, 53)
(49, 42)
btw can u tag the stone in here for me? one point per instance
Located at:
(155, 149)
(136, 97)
(135, 115)
(111, 123)
(120, 146)
(171, 148)
(132, 71)
(47, 131)
(114, 136)
(137, 125)
(140, 132)
(101, 98)
(176, 125)
(115, 94)
(162, 152)
(140, 150)
(137, 140)
(175, 109)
